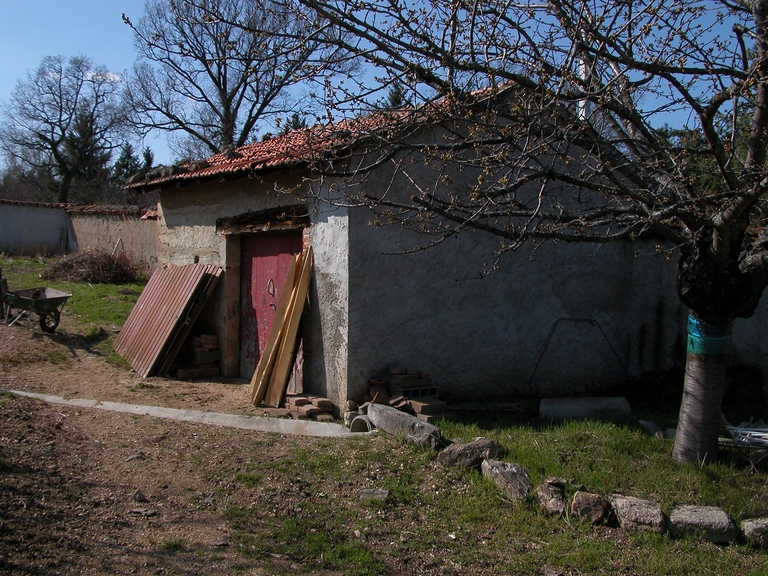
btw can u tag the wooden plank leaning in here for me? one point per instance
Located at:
(284, 361)
(260, 380)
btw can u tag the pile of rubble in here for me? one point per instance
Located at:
(302, 407)
(203, 353)
(409, 391)
(308, 407)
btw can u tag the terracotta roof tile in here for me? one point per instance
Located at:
(108, 210)
(301, 146)
(293, 148)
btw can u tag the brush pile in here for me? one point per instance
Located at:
(98, 267)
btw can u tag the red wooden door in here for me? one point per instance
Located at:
(265, 259)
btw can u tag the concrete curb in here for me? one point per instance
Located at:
(257, 423)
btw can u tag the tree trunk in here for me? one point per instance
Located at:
(698, 427)
(66, 182)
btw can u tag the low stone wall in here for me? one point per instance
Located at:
(117, 230)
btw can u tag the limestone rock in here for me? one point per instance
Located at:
(375, 494)
(651, 428)
(350, 415)
(551, 495)
(513, 479)
(470, 454)
(411, 428)
(591, 507)
(712, 521)
(756, 531)
(637, 515)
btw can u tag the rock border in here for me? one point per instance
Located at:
(630, 513)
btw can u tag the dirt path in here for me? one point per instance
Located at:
(85, 491)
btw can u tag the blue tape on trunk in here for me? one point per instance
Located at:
(708, 339)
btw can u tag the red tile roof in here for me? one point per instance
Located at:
(302, 146)
(146, 212)
(291, 149)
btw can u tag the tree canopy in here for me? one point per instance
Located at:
(210, 71)
(62, 123)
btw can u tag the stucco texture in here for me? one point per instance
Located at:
(551, 320)
(121, 233)
(34, 230)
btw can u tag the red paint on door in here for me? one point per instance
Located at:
(265, 259)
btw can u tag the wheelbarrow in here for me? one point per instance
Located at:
(45, 302)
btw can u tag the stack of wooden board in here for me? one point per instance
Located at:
(270, 379)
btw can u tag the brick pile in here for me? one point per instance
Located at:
(410, 391)
(203, 355)
(307, 407)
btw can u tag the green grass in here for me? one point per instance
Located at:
(93, 305)
(460, 521)
(316, 539)
(93, 309)
(172, 546)
(249, 479)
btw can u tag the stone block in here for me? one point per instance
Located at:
(711, 521)
(375, 494)
(636, 514)
(513, 479)
(590, 507)
(469, 454)
(401, 424)
(756, 531)
(551, 496)
(429, 418)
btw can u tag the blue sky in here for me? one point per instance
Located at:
(32, 29)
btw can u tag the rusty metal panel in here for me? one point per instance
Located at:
(150, 336)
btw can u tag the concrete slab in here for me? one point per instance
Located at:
(256, 423)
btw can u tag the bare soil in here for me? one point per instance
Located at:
(86, 491)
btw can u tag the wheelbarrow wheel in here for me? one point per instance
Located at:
(48, 322)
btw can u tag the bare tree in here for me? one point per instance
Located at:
(563, 140)
(64, 120)
(212, 70)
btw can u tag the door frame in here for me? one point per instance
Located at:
(292, 217)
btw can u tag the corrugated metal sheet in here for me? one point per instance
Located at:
(164, 315)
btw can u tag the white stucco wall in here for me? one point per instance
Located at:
(555, 320)
(326, 353)
(30, 229)
(551, 320)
